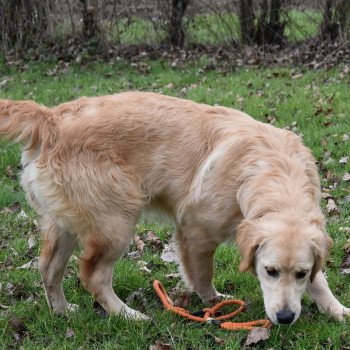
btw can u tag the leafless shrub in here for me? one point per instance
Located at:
(180, 23)
(23, 22)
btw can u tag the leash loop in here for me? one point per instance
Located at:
(208, 314)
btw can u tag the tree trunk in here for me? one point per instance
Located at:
(246, 20)
(176, 31)
(270, 29)
(335, 22)
(90, 23)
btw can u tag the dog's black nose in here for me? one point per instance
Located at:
(285, 316)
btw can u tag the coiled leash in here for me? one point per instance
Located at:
(210, 314)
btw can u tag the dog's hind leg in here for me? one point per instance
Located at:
(326, 302)
(58, 247)
(102, 248)
(196, 254)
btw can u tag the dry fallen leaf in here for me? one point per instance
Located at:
(31, 242)
(32, 264)
(153, 240)
(326, 195)
(140, 244)
(13, 208)
(331, 206)
(18, 327)
(135, 255)
(159, 345)
(345, 265)
(346, 177)
(143, 266)
(168, 253)
(100, 311)
(69, 333)
(346, 247)
(137, 295)
(171, 276)
(343, 160)
(257, 335)
(180, 295)
(214, 339)
(10, 172)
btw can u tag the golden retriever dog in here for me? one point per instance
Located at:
(90, 166)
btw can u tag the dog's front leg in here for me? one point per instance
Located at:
(326, 302)
(196, 255)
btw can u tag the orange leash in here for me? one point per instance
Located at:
(209, 314)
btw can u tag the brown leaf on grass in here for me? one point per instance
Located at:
(346, 177)
(69, 333)
(153, 240)
(345, 265)
(346, 247)
(99, 310)
(32, 264)
(13, 208)
(143, 266)
(168, 253)
(184, 300)
(31, 242)
(327, 195)
(181, 296)
(135, 255)
(331, 206)
(140, 244)
(137, 296)
(172, 276)
(18, 327)
(214, 339)
(159, 345)
(257, 335)
(343, 160)
(270, 119)
(10, 172)
(229, 287)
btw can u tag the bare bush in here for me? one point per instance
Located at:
(336, 22)
(24, 22)
(180, 23)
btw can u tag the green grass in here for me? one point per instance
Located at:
(302, 25)
(315, 102)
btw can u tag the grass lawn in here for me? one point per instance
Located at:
(312, 103)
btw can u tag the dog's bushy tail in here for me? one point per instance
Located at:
(27, 122)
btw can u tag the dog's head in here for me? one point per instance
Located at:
(285, 256)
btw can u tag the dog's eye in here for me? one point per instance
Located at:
(271, 271)
(301, 274)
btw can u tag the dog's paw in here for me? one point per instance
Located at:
(341, 316)
(67, 308)
(134, 315)
(72, 308)
(217, 299)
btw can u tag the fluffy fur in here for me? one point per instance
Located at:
(90, 166)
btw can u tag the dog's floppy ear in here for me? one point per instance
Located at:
(248, 239)
(321, 245)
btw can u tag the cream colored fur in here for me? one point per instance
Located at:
(92, 165)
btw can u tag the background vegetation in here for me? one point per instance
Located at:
(101, 24)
